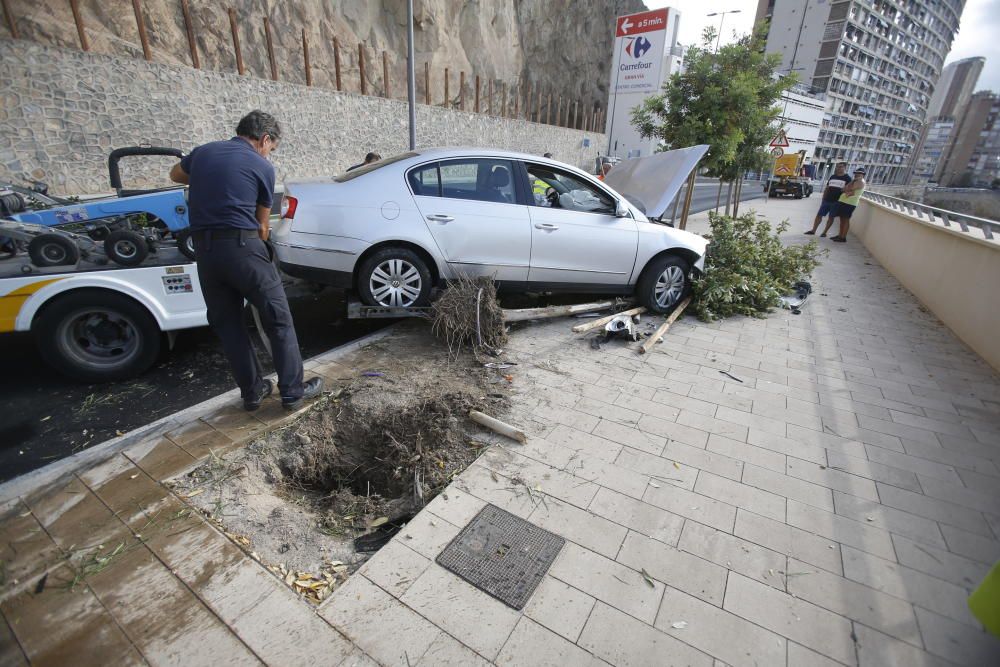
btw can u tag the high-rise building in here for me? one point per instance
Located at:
(947, 106)
(974, 158)
(877, 60)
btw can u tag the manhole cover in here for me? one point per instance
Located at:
(502, 554)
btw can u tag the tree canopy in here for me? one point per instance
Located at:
(726, 99)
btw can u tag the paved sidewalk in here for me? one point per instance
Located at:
(832, 500)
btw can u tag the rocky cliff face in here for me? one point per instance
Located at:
(563, 46)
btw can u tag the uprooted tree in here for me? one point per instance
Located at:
(726, 99)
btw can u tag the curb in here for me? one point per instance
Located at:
(11, 490)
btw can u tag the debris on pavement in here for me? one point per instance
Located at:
(662, 329)
(679, 625)
(498, 426)
(595, 324)
(546, 312)
(468, 315)
(731, 376)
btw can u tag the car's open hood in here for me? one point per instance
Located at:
(651, 183)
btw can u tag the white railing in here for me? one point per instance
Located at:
(935, 215)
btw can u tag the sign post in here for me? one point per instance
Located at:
(777, 145)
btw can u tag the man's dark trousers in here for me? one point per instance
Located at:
(232, 268)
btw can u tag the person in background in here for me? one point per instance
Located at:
(605, 168)
(848, 202)
(231, 185)
(371, 157)
(547, 155)
(834, 188)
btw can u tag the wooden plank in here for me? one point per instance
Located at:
(189, 29)
(523, 314)
(305, 58)
(234, 28)
(661, 330)
(74, 5)
(141, 24)
(336, 62)
(596, 324)
(270, 49)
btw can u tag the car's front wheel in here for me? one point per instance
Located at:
(395, 278)
(664, 284)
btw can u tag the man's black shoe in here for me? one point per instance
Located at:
(311, 388)
(253, 403)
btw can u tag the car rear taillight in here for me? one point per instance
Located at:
(288, 206)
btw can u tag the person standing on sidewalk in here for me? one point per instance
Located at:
(231, 185)
(834, 188)
(848, 202)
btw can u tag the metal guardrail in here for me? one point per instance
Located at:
(947, 218)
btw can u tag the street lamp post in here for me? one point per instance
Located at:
(722, 20)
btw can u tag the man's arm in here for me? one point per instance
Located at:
(264, 220)
(178, 175)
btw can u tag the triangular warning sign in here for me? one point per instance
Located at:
(780, 141)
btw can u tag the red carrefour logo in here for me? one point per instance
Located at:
(634, 24)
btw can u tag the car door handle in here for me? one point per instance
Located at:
(546, 226)
(440, 217)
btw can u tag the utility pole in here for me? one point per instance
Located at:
(411, 84)
(722, 20)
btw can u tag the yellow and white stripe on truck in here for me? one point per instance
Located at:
(171, 294)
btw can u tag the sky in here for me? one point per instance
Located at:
(977, 34)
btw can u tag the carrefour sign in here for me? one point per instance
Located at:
(639, 42)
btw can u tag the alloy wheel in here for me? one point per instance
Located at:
(669, 286)
(395, 283)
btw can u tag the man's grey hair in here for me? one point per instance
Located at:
(257, 124)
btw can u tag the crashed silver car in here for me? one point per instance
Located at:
(395, 229)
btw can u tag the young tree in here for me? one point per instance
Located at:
(726, 99)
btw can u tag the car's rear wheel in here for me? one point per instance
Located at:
(664, 283)
(395, 278)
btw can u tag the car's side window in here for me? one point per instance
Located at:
(480, 179)
(554, 188)
(425, 180)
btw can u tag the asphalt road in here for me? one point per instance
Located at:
(706, 191)
(45, 417)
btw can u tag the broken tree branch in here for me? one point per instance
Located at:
(498, 426)
(600, 322)
(662, 329)
(555, 311)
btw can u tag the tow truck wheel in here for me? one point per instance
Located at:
(126, 247)
(185, 243)
(96, 335)
(53, 250)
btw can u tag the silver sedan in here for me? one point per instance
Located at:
(395, 229)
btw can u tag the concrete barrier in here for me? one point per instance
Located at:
(954, 274)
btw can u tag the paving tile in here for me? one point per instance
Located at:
(971, 545)
(181, 628)
(695, 506)
(793, 618)
(748, 497)
(959, 495)
(876, 649)
(27, 551)
(932, 508)
(897, 429)
(953, 453)
(560, 607)
(659, 470)
(730, 429)
(188, 432)
(676, 398)
(858, 602)
(800, 656)
(674, 431)
(586, 443)
(11, 654)
(940, 563)
(877, 472)
(448, 651)
(747, 453)
(718, 632)
(832, 479)
(836, 441)
(911, 463)
(611, 582)
(394, 567)
(789, 540)
(936, 425)
(679, 569)
(159, 458)
(455, 506)
(908, 584)
(703, 459)
(530, 643)
(977, 481)
(56, 627)
(568, 417)
(786, 446)
(789, 487)
(538, 477)
(841, 529)
(648, 407)
(586, 528)
(206, 443)
(617, 413)
(630, 437)
(75, 518)
(641, 517)
(734, 553)
(382, 626)
(956, 641)
(620, 639)
(428, 534)
(890, 519)
(478, 620)
(234, 422)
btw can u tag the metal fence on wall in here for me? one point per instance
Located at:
(519, 101)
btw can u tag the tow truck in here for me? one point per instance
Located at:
(791, 177)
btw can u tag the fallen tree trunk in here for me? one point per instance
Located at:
(555, 311)
(498, 426)
(662, 329)
(588, 326)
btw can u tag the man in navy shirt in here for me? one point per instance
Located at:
(834, 187)
(231, 185)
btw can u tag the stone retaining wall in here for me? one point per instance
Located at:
(62, 111)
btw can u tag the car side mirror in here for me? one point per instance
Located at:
(621, 209)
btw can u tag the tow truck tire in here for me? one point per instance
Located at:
(96, 335)
(185, 243)
(53, 250)
(126, 247)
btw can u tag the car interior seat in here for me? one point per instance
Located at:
(499, 179)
